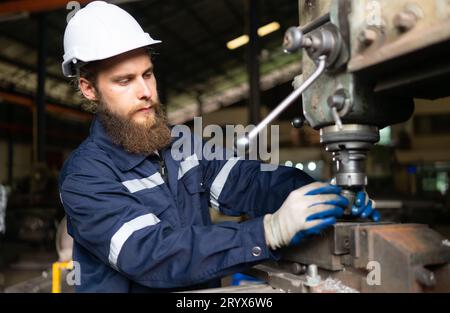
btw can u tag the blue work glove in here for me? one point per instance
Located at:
(306, 211)
(365, 207)
(330, 216)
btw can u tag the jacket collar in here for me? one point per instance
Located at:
(124, 160)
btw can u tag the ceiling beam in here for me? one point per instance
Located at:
(26, 43)
(30, 68)
(17, 128)
(196, 52)
(58, 110)
(33, 6)
(213, 36)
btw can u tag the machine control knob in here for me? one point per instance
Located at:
(298, 122)
(294, 40)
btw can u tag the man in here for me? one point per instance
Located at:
(139, 217)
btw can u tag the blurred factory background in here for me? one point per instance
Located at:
(200, 71)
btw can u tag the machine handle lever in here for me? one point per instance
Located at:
(244, 142)
(336, 118)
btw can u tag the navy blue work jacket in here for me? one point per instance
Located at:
(135, 231)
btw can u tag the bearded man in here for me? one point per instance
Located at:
(140, 217)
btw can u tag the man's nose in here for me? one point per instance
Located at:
(143, 89)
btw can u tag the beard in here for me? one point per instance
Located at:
(138, 138)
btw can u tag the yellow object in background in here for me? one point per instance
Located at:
(57, 268)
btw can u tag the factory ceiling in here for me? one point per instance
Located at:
(193, 64)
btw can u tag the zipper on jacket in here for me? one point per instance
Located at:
(162, 168)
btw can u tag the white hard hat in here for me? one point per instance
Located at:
(99, 31)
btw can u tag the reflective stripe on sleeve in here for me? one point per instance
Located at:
(124, 232)
(135, 185)
(186, 165)
(220, 180)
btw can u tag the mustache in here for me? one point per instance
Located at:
(150, 104)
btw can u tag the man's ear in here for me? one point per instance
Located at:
(88, 89)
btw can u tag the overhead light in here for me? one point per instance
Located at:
(237, 42)
(312, 166)
(244, 39)
(269, 28)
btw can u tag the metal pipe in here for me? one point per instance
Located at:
(10, 146)
(316, 23)
(39, 125)
(253, 62)
(244, 141)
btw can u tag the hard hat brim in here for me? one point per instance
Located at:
(70, 64)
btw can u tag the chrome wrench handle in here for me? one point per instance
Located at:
(244, 142)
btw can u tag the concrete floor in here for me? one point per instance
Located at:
(21, 263)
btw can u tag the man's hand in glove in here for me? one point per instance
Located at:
(365, 207)
(306, 210)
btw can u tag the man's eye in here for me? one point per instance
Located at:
(148, 75)
(123, 81)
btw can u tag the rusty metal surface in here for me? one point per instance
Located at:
(333, 285)
(404, 252)
(364, 106)
(310, 10)
(254, 288)
(318, 251)
(279, 279)
(326, 250)
(384, 29)
(443, 281)
(411, 258)
(384, 37)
